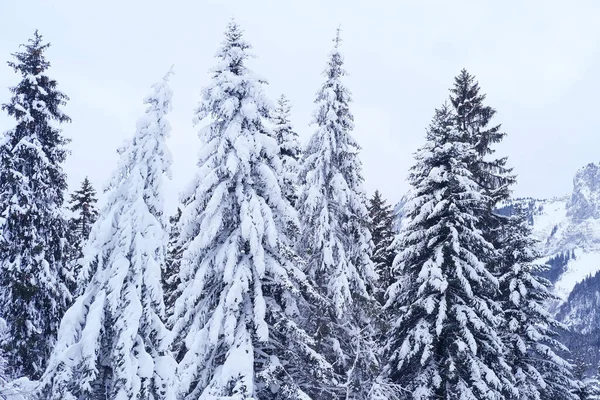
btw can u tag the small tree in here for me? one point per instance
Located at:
(382, 231)
(171, 279)
(112, 342)
(289, 148)
(84, 214)
(83, 205)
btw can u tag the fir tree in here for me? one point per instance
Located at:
(112, 342)
(34, 268)
(289, 148)
(472, 120)
(443, 343)
(335, 238)
(243, 299)
(530, 330)
(382, 231)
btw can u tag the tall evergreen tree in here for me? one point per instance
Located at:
(84, 214)
(382, 231)
(289, 148)
(243, 301)
(34, 268)
(533, 350)
(335, 237)
(112, 340)
(443, 343)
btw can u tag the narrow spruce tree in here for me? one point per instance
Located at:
(382, 230)
(444, 342)
(173, 260)
(84, 214)
(112, 341)
(34, 256)
(530, 330)
(335, 239)
(289, 148)
(244, 301)
(83, 205)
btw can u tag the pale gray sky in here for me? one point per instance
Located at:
(538, 62)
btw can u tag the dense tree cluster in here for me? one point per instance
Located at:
(277, 278)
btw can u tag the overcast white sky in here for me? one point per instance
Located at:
(538, 62)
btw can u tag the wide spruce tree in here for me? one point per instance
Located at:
(34, 256)
(335, 239)
(530, 330)
(382, 220)
(444, 342)
(289, 148)
(112, 341)
(244, 301)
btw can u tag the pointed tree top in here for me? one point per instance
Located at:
(234, 33)
(338, 37)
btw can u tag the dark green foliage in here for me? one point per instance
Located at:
(382, 234)
(34, 255)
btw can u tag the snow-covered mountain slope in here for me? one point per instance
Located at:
(568, 229)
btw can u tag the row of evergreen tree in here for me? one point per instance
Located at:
(277, 278)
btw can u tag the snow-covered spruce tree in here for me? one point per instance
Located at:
(34, 270)
(443, 343)
(111, 343)
(472, 122)
(173, 260)
(533, 350)
(289, 147)
(84, 213)
(243, 301)
(382, 231)
(335, 239)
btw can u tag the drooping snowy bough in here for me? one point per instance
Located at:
(112, 341)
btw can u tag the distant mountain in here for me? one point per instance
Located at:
(568, 229)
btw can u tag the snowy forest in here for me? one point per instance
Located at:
(278, 277)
